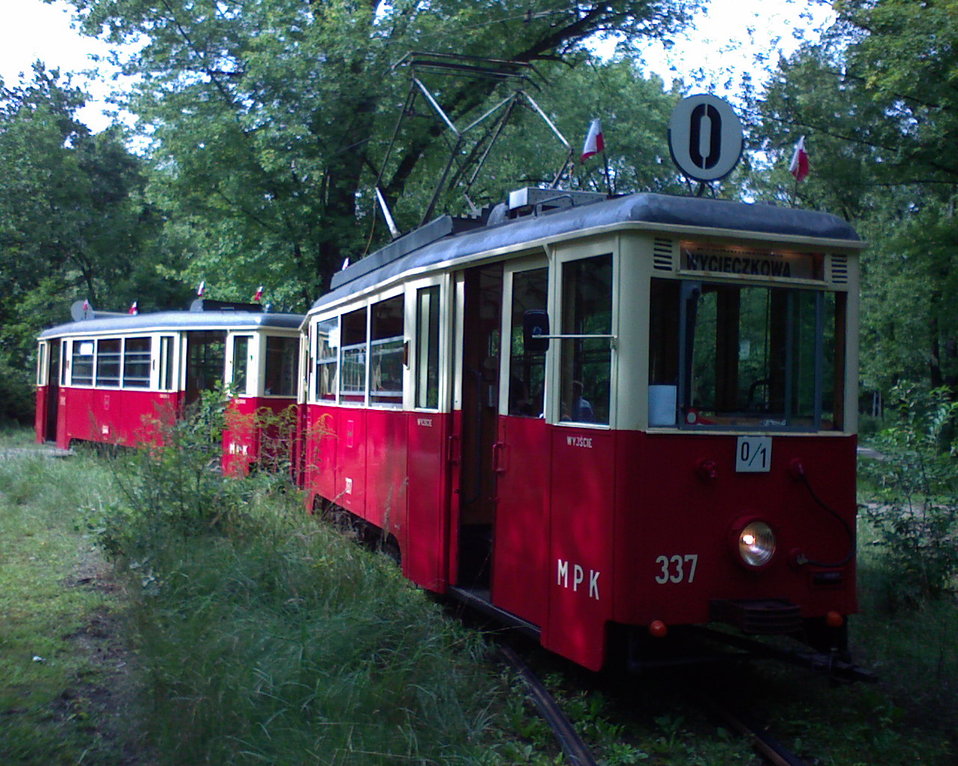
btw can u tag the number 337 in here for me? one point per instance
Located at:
(677, 568)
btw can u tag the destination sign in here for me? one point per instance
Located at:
(752, 263)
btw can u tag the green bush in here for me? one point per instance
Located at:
(17, 394)
(266, 637)
(914, 511)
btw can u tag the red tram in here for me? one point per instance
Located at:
(601, 417)
(116, 378)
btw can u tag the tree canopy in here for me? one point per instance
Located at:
(270, 119)
(265, 126)
(877, 99)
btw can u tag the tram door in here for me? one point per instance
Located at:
(521, 453)
(205, 362)
(53, 390)
(476, 495)
(503, 531)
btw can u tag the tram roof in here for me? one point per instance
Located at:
(657, 211)
(175, 321)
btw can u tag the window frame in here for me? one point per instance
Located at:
(790, 422)
(511, 271)
(555, 357)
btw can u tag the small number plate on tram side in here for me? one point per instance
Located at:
(753, 454)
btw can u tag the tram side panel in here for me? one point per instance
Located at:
(425, 542)
(581, 565)
(681, 500)
(385, 471)
(258, 432)
(114, 416)
(43, 401)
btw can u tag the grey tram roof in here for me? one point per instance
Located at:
(657, 211)
(176, 321)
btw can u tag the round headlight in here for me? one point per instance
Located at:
(756, 543)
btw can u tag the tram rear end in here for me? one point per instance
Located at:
(728, 478)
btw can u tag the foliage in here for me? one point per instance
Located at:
(266, 637)
(174, 488)
(16, 393)
(73, 221)
(270, 120)
(875, 100)
(915, 511)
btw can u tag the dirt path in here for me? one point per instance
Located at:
(112, 703)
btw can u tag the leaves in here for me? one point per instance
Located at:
(270, 119)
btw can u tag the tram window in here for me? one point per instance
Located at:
(136, 363)
(526, 367)
(326, 359)
(281, 356)
(663, 351)
(205, 362)
(65, 366)
(353, 379)
(82, 363)
(166, 362)
(586, 363)
(241, 360)
(108, 362)
(427, 345)
(387, 351)
(760, 356)
(41, 362)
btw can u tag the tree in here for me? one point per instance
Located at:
(270, 118)
(876, 100)
(72, 222)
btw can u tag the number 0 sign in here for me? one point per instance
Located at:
(705, 137)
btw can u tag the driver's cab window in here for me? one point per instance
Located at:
(744, 355)
(586, 361)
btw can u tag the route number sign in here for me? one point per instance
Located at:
(753, 454)
(705, 137)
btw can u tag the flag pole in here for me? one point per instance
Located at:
(608, 178)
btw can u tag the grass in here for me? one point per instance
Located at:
(262, 637)
(58, 668)
(291, 643)
(265, 637)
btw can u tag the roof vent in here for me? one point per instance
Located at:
(839, 269)
(205, 304)
(534, 200)
(663, 258)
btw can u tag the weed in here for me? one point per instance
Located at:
(915, 511)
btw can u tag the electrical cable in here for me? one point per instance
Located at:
(799, 472)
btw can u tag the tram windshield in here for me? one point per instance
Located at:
(736, 355)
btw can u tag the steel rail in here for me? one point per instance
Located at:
(576, 751)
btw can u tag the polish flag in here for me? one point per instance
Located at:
(133, 309)
(201, 290)
(86, 305)
(799, 166)
(259, 294)
(594, 142)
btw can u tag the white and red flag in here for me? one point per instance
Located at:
(86, 304)
(594, 141)
(201, 289)
(258, 295)
(799, 165)
(133, 309)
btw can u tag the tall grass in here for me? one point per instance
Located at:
(267, 638)
(63, 695)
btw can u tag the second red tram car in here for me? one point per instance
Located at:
(602, 416)
(118, 378)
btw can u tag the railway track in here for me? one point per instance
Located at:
(578, 753)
